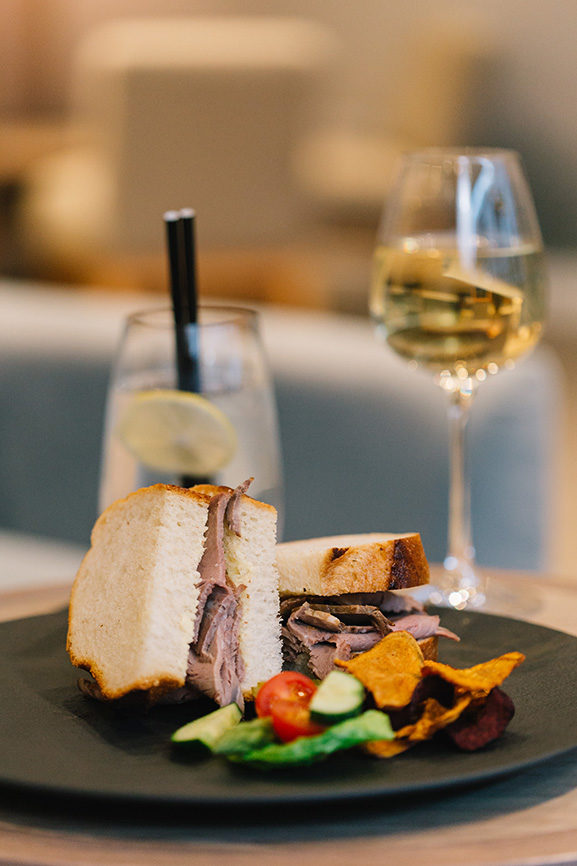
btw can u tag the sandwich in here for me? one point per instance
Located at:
(339, 597)
(178, 597)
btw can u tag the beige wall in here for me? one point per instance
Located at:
(527, 99)
(538, 39)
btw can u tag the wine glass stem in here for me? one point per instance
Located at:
(460, 558)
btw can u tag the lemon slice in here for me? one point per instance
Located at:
(177, 432)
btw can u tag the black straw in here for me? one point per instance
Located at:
(181, 248)
(183, 288)
(187, 221)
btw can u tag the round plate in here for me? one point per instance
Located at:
(56, 741)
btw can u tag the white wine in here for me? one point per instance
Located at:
(453, 320)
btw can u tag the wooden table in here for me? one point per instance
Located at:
(529, 818)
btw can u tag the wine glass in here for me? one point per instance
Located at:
(458, 291)
(223, 435)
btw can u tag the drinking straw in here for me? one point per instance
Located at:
(181, 248)
(183, 290)
(188, 222)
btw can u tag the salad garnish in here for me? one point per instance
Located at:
(385, 700)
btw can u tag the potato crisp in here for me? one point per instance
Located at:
(478, 680)
(390, 670)
(424, 697)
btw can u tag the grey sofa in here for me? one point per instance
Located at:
(364, 440)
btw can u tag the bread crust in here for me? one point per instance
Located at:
(155, 687)
(358, 563)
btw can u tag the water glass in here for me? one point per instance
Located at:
(230, 426)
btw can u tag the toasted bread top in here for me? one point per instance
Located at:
(352, 563)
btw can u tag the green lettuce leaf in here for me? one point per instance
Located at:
(371, 725)
(245, 737)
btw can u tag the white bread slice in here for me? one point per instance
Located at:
(250, 562)
(340, 564)
(134, 598)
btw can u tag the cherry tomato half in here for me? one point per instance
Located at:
(287, 686)
(291, 720)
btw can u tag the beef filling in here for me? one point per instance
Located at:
(214, 663)
(317, 630)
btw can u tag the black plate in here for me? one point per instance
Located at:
(53, 740)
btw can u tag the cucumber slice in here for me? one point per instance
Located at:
(340, 696)
(204, 733)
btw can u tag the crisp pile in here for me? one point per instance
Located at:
(423, 697)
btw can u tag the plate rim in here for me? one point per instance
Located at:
(295, 796)
(161, 800)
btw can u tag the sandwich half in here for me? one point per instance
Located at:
(338, 597)
(178, 596)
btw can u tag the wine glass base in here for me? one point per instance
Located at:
(480, 592)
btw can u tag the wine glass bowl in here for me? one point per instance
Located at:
(458, 291)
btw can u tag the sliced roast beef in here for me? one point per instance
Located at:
(319, 617)
(422, 626)
(386, 601)
(317, 630)
(322, 657)
(232, 517)
(308, 646)
(214, 662)
(363, 616)
(319, 637)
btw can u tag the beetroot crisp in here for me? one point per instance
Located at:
(482, 724)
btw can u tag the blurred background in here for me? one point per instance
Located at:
(281, 123)
(104, 118)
